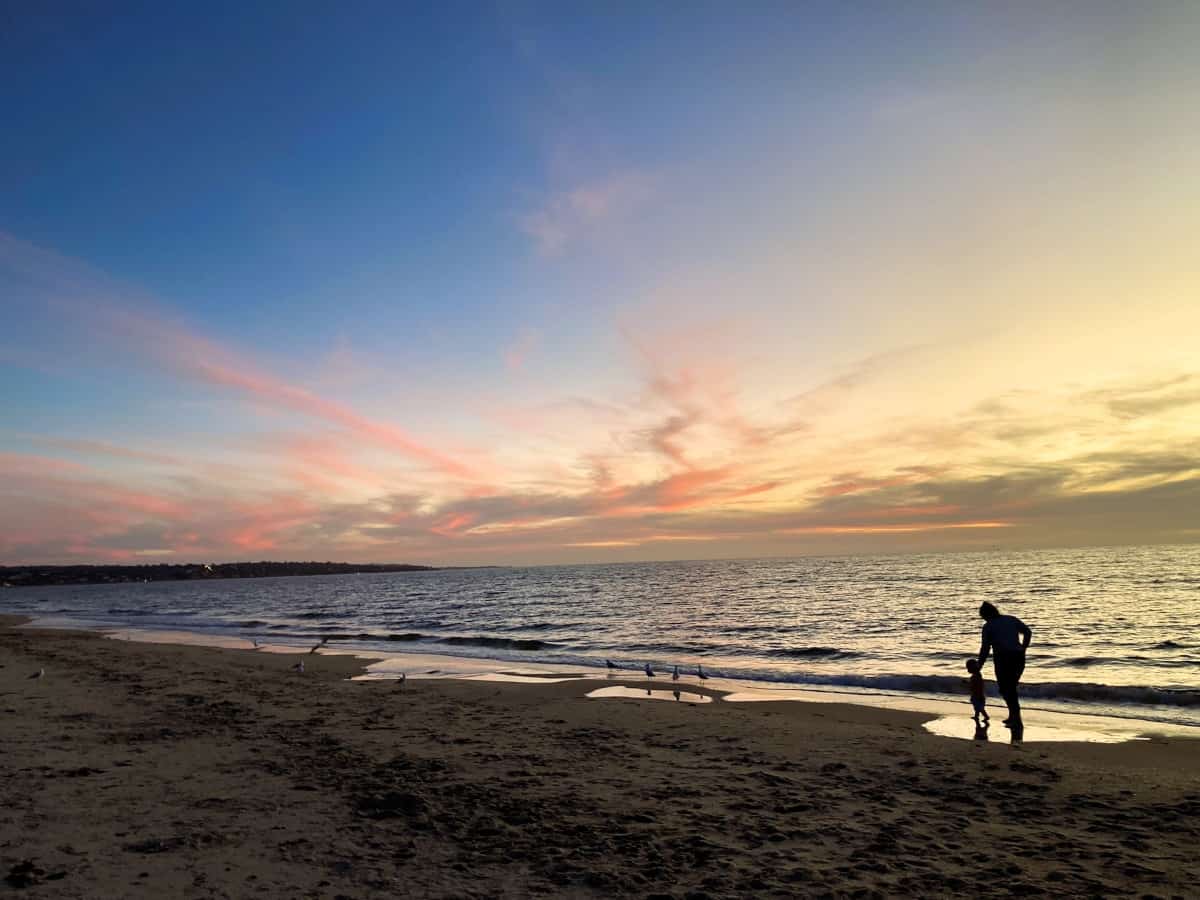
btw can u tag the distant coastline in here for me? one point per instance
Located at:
(33, 576)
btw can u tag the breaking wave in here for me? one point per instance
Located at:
(497, 643)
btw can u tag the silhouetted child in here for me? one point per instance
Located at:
(978, 701)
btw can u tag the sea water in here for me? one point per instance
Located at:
(1114, 629)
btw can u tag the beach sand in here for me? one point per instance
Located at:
(150, 770)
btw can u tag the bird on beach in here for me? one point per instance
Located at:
(700, 672)
(255, 642)
(40, 673)
(299, 667)
(675, 675)
(649, 671)
(611, 665)
(400, 682)
(321, 643)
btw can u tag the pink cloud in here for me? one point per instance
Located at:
(453, 524)
(516, 353)
(265, 525)
(277, 393)
(88, 296)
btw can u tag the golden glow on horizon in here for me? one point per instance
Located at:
(890, 529)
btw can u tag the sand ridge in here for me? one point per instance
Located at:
(138, 770)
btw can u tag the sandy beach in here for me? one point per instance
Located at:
(149, 770)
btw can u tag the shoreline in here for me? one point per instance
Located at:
(138, 769)
(936, 713)
(1063, 715)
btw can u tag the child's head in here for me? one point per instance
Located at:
(972, 665)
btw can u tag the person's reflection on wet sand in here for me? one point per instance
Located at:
(981, 730)
(676, 693)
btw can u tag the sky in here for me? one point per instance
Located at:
(521, 283)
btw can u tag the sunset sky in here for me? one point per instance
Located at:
(522, 283)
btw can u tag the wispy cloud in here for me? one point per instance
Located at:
(104, 448)
(1133, 400)
(91, 298)
(563, 217)
(516, 354)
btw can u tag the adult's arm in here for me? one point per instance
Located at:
(985, 646)
(1026, 634)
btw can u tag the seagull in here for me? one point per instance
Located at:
(400, 683)
(299, 667)
(700, 672)
(675, 675)
(40, 673)
(649, 671)
(318, 645)
(611, 665)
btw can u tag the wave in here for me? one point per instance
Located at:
(763, 629)
(1169, 645)
(674, 649)
(547, 626)
(498, 643)
(539, 626)
(1055, 690)
(341, 634)
(959, 656)
(814, 653)
(1084, 662)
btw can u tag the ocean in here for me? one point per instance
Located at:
(1115, 630)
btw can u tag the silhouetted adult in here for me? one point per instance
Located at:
(1007, 637)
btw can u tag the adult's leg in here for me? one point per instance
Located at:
(1009, 668)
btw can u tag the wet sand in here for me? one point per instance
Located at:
(151, 770)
